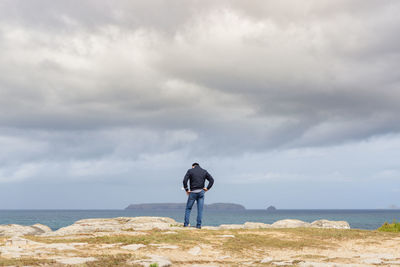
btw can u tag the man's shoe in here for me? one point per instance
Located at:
(198, 227)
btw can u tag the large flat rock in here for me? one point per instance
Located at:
(117, 225)
(19, 230)
(330, 224)
(290, 223)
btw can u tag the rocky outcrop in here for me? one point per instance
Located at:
(17, 247)
(290, 223)
(19, 230)
(195, 251)
(133, 246)
(330, 224)
(75, 260)
(256, 225)
(133, 225)
(230, 226)
(41, 227)
(116, 225)
(157, 260)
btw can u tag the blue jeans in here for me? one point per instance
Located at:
(199, 197)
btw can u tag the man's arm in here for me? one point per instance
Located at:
(210, 180)
(185, 181)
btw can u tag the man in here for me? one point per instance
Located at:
(197, 177)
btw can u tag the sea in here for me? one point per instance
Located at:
(55, 219)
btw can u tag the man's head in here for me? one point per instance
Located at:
(195, 164)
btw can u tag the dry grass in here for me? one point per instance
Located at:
(245, 240)
(246, 245)
(184, 239)
(243, 243)
(326, 234)
(24, 262)
(260, 240)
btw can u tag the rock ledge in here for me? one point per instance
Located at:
(133, 225)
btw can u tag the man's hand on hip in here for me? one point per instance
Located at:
(205, 189)
(187, 192)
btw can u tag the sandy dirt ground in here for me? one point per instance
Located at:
(192, 247)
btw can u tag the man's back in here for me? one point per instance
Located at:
(197, 177)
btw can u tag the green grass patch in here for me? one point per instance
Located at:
(390, 227)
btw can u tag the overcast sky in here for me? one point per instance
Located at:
(288, 103)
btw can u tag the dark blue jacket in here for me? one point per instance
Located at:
(197, 177)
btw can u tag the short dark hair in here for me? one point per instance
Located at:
(195, 164)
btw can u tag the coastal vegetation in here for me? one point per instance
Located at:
(142, 241)
(242, 245)
(390, 227)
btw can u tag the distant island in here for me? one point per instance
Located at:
(181, 206)
(271, 209)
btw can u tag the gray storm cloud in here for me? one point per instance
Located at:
(114, 81)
